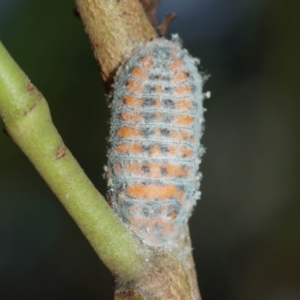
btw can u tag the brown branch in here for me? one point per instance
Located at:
(163, 27)
(114, 29)
(150, 7)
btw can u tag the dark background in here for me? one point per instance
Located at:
(246, 227)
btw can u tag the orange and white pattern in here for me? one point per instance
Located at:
(154, 155)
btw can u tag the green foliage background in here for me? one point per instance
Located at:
(245, 229)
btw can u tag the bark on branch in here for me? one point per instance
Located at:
(114, 29)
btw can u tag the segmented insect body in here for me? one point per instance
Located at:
(156, 125)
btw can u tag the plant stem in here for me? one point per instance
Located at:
(27, 119)
(114, 29)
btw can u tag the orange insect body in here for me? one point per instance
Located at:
(156, 126)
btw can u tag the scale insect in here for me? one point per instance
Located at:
(155, 151)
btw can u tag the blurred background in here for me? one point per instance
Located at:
(246, 227)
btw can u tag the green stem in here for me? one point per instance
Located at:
(27, 119)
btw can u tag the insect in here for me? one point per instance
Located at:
(154, 155)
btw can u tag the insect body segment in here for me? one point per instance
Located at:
(154, 155)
